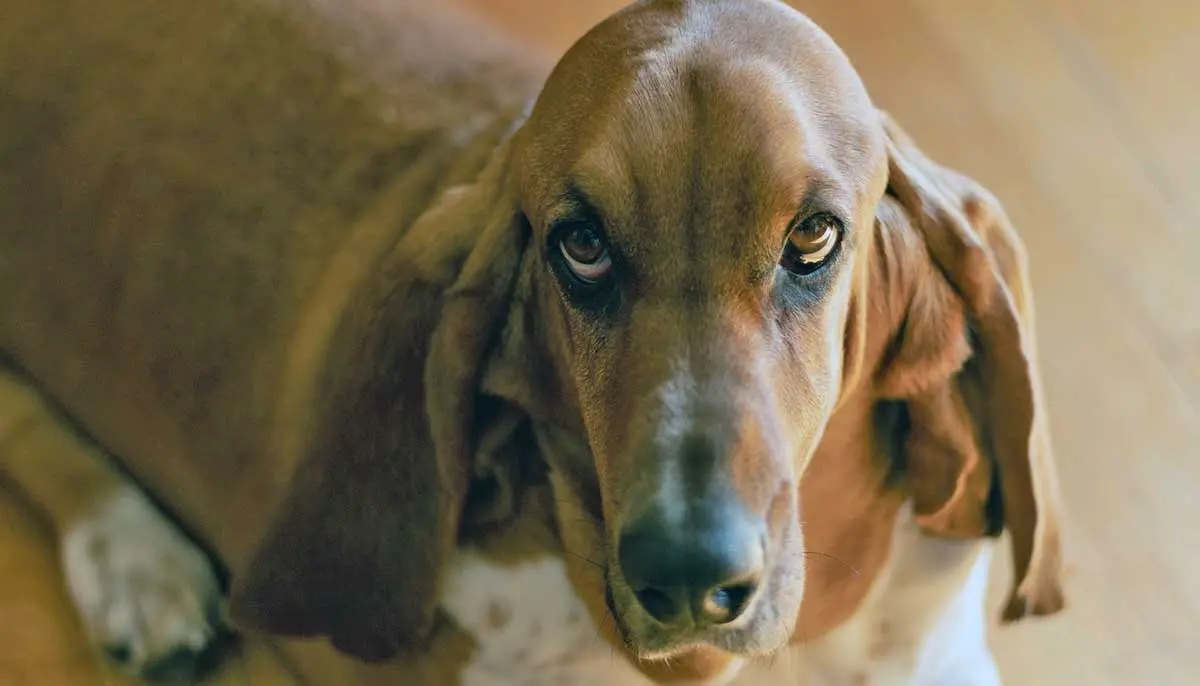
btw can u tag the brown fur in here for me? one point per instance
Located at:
(288, 264)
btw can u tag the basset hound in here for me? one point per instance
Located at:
(678, 362)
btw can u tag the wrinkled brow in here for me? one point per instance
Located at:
(574, 202)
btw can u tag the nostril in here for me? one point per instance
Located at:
(724, 604)
(658, 604)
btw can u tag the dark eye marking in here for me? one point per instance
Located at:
(580, 255)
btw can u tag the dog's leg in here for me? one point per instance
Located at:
(146, 594)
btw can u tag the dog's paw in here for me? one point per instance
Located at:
(147, 595)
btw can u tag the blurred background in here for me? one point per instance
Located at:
(1083, 116)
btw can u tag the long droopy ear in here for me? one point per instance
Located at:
(358, 548)
(977, 454)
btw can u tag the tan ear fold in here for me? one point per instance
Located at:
(924, 365)
(977, 451)
(358, 548)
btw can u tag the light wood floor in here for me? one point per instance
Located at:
(1084, 117)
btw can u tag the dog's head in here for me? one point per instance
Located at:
(700, 243)
(699, 179)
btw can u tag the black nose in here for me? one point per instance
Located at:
(704, 567)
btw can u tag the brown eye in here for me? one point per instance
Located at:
(585, 252)
(810, 244)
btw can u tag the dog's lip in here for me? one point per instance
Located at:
(611, 602)
(726, 643)
(669, 654)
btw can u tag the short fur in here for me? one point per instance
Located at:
(287, 262)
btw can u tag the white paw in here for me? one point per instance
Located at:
(147, 595)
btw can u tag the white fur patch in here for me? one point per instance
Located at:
(530, 627)
(139, 584)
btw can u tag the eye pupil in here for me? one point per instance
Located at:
(585, 252)
(811, 244)
(584, 245)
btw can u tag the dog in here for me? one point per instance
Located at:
(677, 363)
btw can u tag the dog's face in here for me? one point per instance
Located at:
(698, 206)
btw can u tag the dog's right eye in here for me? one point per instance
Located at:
(585, 252)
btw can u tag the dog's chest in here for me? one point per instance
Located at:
(530, 627)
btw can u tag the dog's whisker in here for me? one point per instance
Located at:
(829, 556)
(583, 558)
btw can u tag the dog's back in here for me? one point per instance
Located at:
(189, 194)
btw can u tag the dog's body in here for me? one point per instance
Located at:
(275, 168)
(205, 210)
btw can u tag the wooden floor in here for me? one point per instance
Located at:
(1084, 117)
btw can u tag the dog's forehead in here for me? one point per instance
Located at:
(734, 87)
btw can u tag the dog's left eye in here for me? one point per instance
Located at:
(811, 243)
(585, 252)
